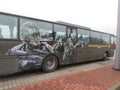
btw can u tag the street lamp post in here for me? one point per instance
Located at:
(117, 55)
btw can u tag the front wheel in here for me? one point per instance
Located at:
(50, 63)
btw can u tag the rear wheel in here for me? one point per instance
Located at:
(50, 63)
(105, 56)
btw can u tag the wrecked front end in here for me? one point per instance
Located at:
(28, 60)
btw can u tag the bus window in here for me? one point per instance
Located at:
(95, 37)
(83, 35)
(105, 39)
(29, 27)
(8, 27)
(60, 31)
(72, 34)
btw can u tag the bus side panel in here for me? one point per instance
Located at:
(84, 54)
(8, 64)
(5, 45)
(88, 54)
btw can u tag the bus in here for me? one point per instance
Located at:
(27, 43)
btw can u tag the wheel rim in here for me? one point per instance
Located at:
(105, 56)
(50, 63)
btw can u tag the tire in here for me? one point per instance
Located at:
(50, 63)
(105, 56)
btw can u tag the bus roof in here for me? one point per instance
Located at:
(73, 25)
(57, 22)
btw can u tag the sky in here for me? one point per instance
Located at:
(99, 15)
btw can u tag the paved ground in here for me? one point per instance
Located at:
(97, 79)
(29, 78)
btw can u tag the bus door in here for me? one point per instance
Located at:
(82, 49)
(69, 48)
(96, 47)
(113, 45)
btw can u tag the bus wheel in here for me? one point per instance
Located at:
(105, 56)
(50, 63)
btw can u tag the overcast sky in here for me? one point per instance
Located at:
(100, 15)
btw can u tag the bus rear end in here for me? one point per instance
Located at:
(8, 65)
(8, 39)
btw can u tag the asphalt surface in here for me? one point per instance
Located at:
(32, 77)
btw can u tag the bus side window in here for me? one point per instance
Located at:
(8, 27)
(83, 36)
(1, 36)
(59, 32)
(105, 38)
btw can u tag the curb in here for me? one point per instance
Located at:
(115, 87)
